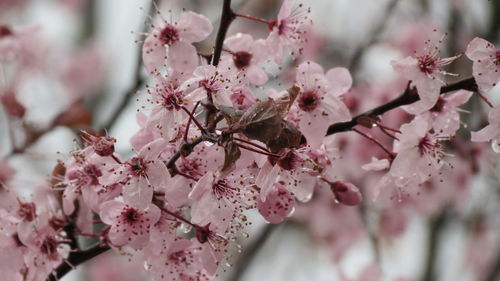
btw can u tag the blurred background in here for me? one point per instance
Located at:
(81, 68)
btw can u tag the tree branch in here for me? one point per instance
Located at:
(408, 97)
(76, 258)
(227, 17)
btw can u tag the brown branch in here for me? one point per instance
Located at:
(408, 97)
(76, 258)
(435, 227)
(227, 17)
(358, 54)
(251, 252)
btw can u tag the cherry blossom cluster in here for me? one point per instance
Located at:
(219, 140)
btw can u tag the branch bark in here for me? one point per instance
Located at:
(408, 97)
(76, 258)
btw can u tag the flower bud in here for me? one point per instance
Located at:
(346, 193)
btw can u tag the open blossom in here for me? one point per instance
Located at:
(288, 29)
(444, 116)
(245, 54)
(490, 132)
(129, 225)
(419, 153)
(173, 41)
(424, 71)
(140, 175)
(169, 100)
(178, 259)
(486, 66)
(212, 81)
(319, 105)
(217, 198)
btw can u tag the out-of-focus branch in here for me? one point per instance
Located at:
(409, 96)
(76, 258)
(374, 36)
(136, 85)
(251, 252)
(435, 228)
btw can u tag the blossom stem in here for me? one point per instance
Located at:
(485, 99)
(191, 117)
(189, 121)
(253, 18)
(116, 159)
(252, 143)
(258, 151)
(375, 142)
(379, 124)
(178, 217)
(387, 133)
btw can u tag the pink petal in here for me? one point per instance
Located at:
(486, 134)
(110, 211)
(153, 53)
(182, 57)
(279, 204)
(340, 80)
(194, 27)
(239, 42)
(313, 126)
(285, 10)
(480, 49)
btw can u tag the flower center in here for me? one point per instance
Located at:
(5, 31)
(427, 145)
(138, 166)
(27, 211)
(104, 146)
(172, 100)
(308, 101)
(49, 247)
(208, 85)
(130, 215)
(427, 64)
(497, 59)
(242, 59)
(92, 173)
(169, 35)
(222, 189)
(180, 257)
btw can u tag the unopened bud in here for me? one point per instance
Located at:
(346, 193)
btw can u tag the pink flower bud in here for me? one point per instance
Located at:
(346, 193)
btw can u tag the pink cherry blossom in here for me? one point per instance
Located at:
(278, 205)
(318, 101)
(424, 71)
(245, 54)
(140, 175)
(129, 225)
(346, 193)
(210, 81)
(288, 29)
(486, 66)
(444, 116)
(169, 100)
(490, 132)
(419, 153)
(172, 40)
